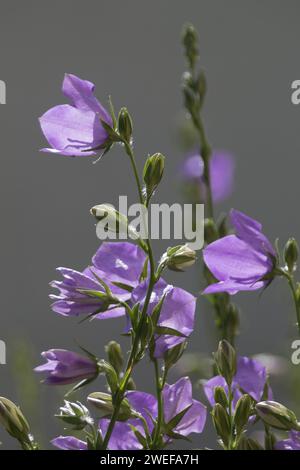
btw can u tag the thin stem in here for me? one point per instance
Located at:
(291, 283)
(160, 405)
(132, 357)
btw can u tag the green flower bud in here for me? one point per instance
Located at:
(276, 415)
(221, 422)
(190, 43)
(210, 231)
(172, 356)
(125, 124)
(75, 414)
(13, 420)
(246, 443)
(178, 258)
(115, 356)
(225, 359)
(220, 396)
(242, 412)
(153, 172)
(103, 402)
(291, 252)
(113, 221)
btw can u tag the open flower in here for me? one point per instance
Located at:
(65, 367)
(120, 265)
(74, 129)
(243, 261)
(176, 397)
(221, 174)
(251, 378)
(292, 443)
(69, 443)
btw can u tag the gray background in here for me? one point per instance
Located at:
(131, 50)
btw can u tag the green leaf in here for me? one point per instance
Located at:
(176, 420)
(164, 330)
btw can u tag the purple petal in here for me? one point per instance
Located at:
(120, 262)
(232, 287)
(69, 443)
(122, 438)
(221, 175)
(193, 167)
(251, 377)
(210, 385)
(293, 443)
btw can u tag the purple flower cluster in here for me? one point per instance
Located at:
(177, 398)
(120, 264)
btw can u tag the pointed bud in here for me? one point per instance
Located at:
(246, 443)
(291, 252)
(210, 231)
(225, 359)
(178, 258)
(153, 172)
(115, 356)
(276, 415)
(242, 412)
(190, 43)
(125, 124)
(220, 396)
(172, 356)
(75, 414)
(222, 423)
(103, 402)
(13, 420)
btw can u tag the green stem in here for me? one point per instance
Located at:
(292, 286)
(132, 357)
(160, 405)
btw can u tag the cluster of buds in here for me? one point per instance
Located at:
(15, 423)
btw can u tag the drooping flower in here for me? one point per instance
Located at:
(292, 443)
(120, 265)
(176, 397)
(221, 174)
(250, 378)
(243, 261)
(74, 129)
(65, 367)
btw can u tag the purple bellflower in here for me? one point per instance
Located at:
(251, 378)
(122, 263)
(292, 443)
(176, 397)
(65, 367)
(240, 262)
(74, 129)
(221, 174)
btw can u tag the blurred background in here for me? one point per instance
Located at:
(132, 51)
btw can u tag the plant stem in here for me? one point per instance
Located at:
(160, 411)
(132, 357)
(291, 283)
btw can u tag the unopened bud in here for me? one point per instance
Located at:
(110, 219)
(153, 171)
(13, 420)
(115, 356)
(246, 443)
(125, 124)
(210, 231)
(220, 396)
(190, 42)
(222, 423)
(179, 258)
(172, 356)
(103, 402)
(291, 252)
(277, 415)
(242, 412)
(225, 359)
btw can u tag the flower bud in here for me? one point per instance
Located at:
(112, 220)
(190, 43)
(115, 356)
(179, 258)
(103, 402)
(75, 414)
(242, 412)
(125, 124)
(291, 251)
(222, 423)
(225, 359)
(220, 396)
(277, 415)
(153, 172)
(210, 231)
(246, 443)
(172, 356)
(13, 420)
